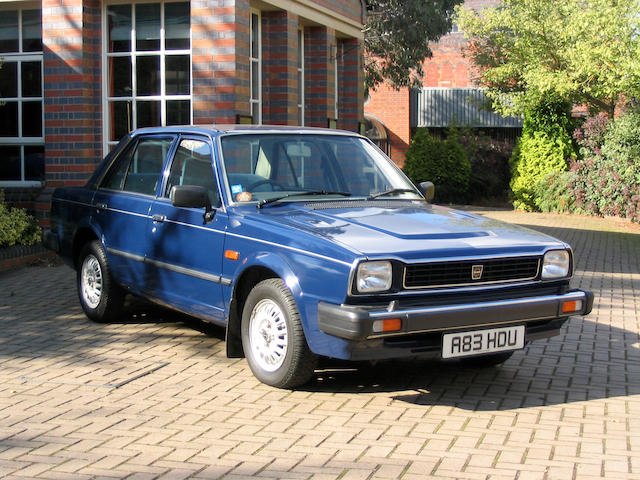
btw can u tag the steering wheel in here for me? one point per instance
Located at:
(273, 184)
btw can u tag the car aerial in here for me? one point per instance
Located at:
(305, 243)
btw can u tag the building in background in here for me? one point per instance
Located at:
(448, 97)
(78, 75)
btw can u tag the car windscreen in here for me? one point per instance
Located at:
(263, 166)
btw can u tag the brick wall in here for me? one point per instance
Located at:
(319, 75)
(279, 68)
(351, 9)
(73, 123)
(391, 107)
(220, 57)
(350, 84)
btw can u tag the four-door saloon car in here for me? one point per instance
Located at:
(305, 243)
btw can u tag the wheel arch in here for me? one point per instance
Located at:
(269, 266)
(248, 279)
(82, 236)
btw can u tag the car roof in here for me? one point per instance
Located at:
(222, 129)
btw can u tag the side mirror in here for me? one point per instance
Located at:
(192, 196)
(428, 190)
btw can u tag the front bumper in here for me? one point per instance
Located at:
(357, 322)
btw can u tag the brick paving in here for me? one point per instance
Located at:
(154, 396)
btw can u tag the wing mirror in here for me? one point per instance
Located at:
(192, 196)
(428, 190)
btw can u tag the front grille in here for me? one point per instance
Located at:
(447, 274)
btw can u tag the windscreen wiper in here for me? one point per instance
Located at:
(391, 192)
(267, 201)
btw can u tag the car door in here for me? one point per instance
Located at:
(122, 203)
(185, 250)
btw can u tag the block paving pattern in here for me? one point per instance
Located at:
(154, 397)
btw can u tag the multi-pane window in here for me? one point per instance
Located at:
(256, 68)
(148, 57)
(300, 76)
(21, 96)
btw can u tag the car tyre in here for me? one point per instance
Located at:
(487, 361)
(101, 298)
(272, 337)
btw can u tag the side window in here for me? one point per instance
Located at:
(138, 168)
(192, 166)
(146, 165)
(115, 176)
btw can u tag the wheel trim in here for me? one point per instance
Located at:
(91, 282)
(268, 335)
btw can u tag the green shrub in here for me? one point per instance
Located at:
(489, 158)
(16, 226)
(442, 162)
(553, 193)
(545, 147)
(607, 177)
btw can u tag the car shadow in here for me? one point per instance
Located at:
(589, 361)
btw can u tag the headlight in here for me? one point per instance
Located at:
(374, 276)
(555, 264)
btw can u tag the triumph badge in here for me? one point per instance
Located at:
(476, 272)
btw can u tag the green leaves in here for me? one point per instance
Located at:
(16, 226)
(443, 162)
(397, 35)
(526, 51)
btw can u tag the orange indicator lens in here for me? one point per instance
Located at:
(572, 306)
(387, 325)
(232, 255)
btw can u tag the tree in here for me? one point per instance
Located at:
(397, 35)
(581, 52)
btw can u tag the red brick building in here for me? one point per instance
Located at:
(77, 75)
(448, 96)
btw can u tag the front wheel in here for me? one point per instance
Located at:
(101, 298)
(272, 337)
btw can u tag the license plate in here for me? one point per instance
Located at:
(475, 342)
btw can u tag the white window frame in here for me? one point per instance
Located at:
(19, 57)
(257, 62)
(335, 84)
(301, 89)
(108, 144)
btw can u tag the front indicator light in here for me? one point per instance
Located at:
(387, 325)
(555, 264)
(572, 306)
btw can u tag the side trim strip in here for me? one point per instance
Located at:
(174, 268)
(130, 256)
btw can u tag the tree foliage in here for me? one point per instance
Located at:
(443, 162)
(581, 52)
(397, 35)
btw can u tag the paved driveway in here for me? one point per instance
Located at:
(154, 396)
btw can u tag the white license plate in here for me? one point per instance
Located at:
(475, 342)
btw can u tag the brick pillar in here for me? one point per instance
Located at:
(71, 33)
(220, 49)
(350, 84)
(320, 46)
(279, 68)
(392, 107)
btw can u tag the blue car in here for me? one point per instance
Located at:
(305, 243)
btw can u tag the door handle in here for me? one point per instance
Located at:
(101, 206)
(158, 218)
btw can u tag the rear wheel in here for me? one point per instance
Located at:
(272, 337)
(101, 298)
